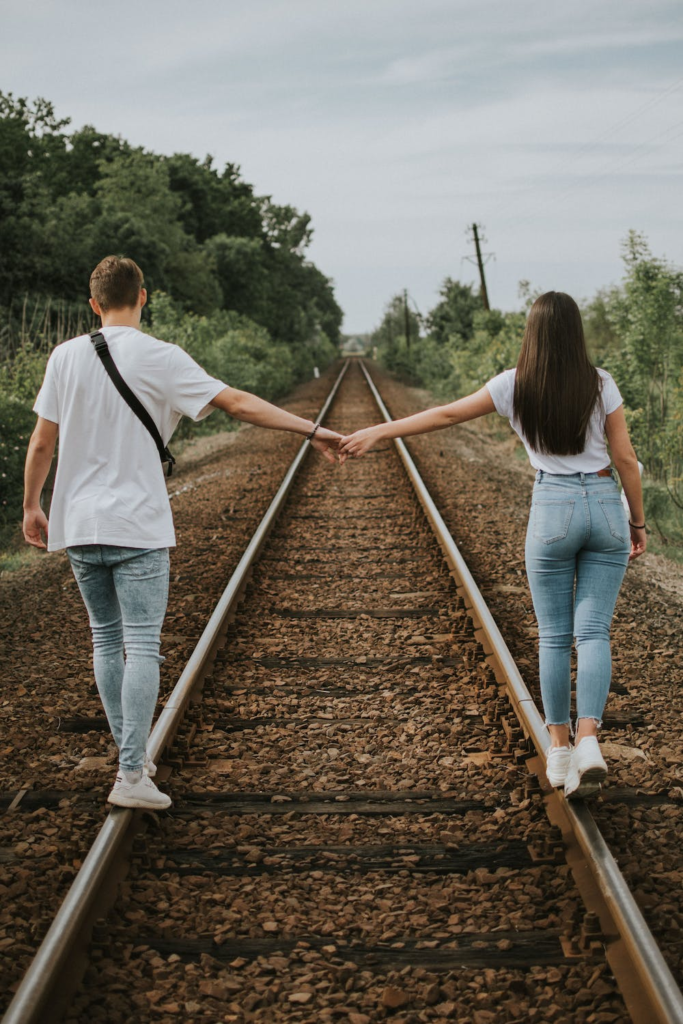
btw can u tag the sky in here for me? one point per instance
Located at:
(396, 124)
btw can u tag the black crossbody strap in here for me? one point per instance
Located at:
(131, 399)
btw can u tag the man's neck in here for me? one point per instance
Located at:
(122, 318)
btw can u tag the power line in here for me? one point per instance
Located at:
(596, 140)
(608, 169)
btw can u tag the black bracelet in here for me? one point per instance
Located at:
(309, 437)
(633, 525)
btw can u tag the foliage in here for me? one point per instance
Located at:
(16, 423)
(647, 315)
(450, 364)
(229, 346)
(69, 198)
(397, 338)
(454, 315)
(602, 339)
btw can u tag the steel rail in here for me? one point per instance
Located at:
(36, 1000)
(646, 983)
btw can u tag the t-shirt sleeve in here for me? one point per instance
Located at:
(611, 396)
(190, 387)
(501, 390)
(47, 400)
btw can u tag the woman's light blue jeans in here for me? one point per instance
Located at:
(577, 549)
(125, 591)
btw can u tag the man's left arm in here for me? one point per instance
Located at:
(242, 405)
(41, 449)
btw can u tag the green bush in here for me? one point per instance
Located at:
(22, 376)
(239, 351)
(229, 347)
(16, 425)
(458, 365)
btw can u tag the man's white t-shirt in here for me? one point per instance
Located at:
(593, 457)
(110, 486)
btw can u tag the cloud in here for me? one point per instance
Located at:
(394, 124)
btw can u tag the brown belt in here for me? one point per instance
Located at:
(604, 472)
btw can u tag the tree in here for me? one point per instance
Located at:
(391, 333)
(139, 215)
(213, 203)
(647, 314)
(454, 314)
(601, 336)
(241, 272)
(203, 236)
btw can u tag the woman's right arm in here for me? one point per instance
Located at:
(626, 461)
(478, 404)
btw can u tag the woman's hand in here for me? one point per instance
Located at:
(357, 444)
(638, 542)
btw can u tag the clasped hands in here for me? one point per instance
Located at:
(336, 447)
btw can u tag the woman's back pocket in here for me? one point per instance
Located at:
(551, 519)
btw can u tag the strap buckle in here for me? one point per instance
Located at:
(168, 458)
(99, 341)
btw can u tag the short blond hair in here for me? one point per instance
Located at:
(115, 283)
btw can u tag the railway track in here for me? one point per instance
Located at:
(361, 824)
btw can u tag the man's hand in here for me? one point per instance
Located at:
(357, 444)
(327, 443)
(35, 525)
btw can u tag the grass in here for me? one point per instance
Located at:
(12, 556)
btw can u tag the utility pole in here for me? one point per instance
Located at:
(406, 317)
(480, 261)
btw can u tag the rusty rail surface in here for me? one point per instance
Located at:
(646, 983)
(60, 960)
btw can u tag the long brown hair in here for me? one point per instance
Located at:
(556, 385)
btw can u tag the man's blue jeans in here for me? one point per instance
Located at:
(577, 549)
(125, 591)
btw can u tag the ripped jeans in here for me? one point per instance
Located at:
(577, 548)
(125, 591)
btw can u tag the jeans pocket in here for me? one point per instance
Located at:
(551, 519)
(145, 563)
(79, 566)
(616, 517)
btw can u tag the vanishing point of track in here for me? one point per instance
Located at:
(356, 740)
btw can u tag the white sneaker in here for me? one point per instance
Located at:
(557, 764)
(587, 769)
(149, 767)
(142, 793)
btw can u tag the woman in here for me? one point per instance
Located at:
(579, 538)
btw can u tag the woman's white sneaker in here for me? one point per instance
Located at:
(142, 793)
(557, 764)
(587, 769)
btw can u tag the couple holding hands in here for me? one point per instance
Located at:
(110, 508)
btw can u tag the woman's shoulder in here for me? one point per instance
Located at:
(611, 396)
(505, 375)
(501, 388)
(502, 383)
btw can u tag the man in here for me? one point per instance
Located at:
(110, 507)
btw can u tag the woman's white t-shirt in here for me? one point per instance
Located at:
(593, 457)
(110, 486)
